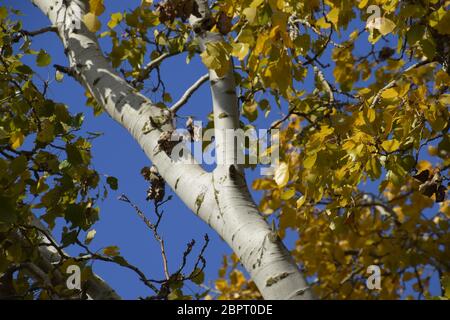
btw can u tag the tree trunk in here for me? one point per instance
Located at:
(220, 198)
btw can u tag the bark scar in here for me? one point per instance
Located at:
(274, 280)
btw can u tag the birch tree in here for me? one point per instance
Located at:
(368, 117)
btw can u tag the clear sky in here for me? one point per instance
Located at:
(115, 153)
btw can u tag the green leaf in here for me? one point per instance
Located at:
(3, 13)
(167, 97)
(113, 183)
(8, 213)
(43, 59)
(428, 47)
(75, 214)
(69, 237)
(23, 69)
(111, 251)
(3, 133)
(73, 154)
(47, 132)
(199, 276)
(120, 260)
(250, 111)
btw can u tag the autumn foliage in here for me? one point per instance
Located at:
(361, 102)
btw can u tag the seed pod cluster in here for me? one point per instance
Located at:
(157, 190)
(385, 53)
(169, 10)
(431, 183)
(168, 140)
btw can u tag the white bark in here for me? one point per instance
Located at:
(96, 289)
(44, 265)
(220, 198)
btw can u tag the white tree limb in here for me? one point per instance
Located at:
(49, 255)
(97, 288)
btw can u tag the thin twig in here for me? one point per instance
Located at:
(154, 229)
(189, 92)
(22, 33)
(393, 82)
(145, 73)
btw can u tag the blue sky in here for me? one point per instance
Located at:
(115, 153)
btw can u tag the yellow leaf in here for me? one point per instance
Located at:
(96, 7)
(256, 3)
(389, 93)
(91, 21)
(115, 20)
(321, 23)
(309, 161)
(282, 174)
(349, 145)
(301, 201)
(250, 14)
(221, 285)
(444, 99)
(216, 57)
(262, 184)
(240, 50)
(262, 40)
(371, 114)
(288, 194)
(382, 24)
(17, 139)
(362, 4)
(331, 18)
(333, 15)
(387, 26)
(390, 145)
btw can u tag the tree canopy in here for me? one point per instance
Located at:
(360, 90)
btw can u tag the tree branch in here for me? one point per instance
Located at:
(393, 82)
(189, 92)
(145, 72)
